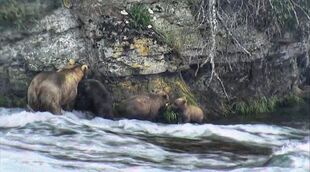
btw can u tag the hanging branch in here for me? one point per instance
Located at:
(232, 36)
(212, 17)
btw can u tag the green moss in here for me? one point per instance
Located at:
(173, 40)
(178, 39)
(140, 17)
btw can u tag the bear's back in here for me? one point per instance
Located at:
(195, 113)
(96, 88)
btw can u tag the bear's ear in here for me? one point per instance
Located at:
(71, 62)
(165, 96)
(84, 67)
(184, 101)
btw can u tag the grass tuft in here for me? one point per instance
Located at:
(170, 116)
(264, 104)
(140, 17)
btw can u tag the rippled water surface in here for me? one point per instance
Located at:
(43, 142)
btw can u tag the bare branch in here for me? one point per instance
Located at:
(214, 29)
(222, 84)
(302, 9)
(294, 12)
(232, 36)
(213, 26)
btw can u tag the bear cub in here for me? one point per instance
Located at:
(54, 91)
(189, 113)
(94, 97)
(144, 107)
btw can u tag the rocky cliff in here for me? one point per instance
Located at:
(136, 46)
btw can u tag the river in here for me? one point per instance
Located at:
(42, 142)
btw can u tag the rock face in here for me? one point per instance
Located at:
(161, 55)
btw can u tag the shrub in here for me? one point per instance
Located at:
(140, 17)
(170, 116)
(264, 104)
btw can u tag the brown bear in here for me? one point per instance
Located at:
(70, 64)
(94, 97)
(144, 107)
(52, 91)
(189, 113)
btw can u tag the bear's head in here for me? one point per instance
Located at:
(81, 68)
(180, 103)
(71, 63)
(74, 73)
(164, 97)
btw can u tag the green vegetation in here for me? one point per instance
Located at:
(173, 40)
(291, 100)
(255, 106)
(140, 17)
(185, 92)
(170, 116)
(263, 105)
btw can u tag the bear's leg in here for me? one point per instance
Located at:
(50, 103)
(103, 110)
(55, 108)
(186, 118)
(69, 106)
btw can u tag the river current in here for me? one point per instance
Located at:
(42, 142)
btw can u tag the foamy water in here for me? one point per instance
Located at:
(44, 142)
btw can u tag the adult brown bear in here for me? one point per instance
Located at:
(189, 113)
(52, 91)
(94, 97)
(70, 64)
(144, 107)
